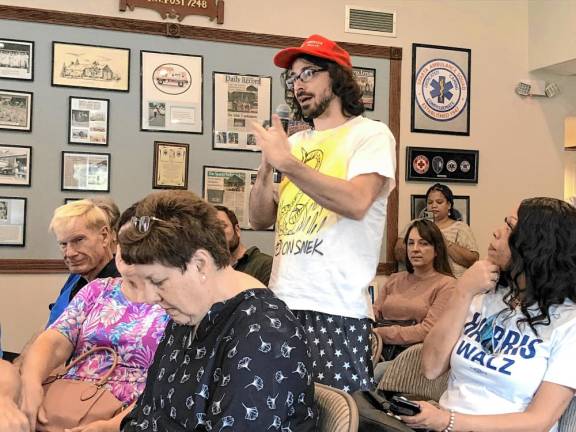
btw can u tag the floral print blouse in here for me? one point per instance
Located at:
(100, 315)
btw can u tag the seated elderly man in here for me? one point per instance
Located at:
(82, 230)
(250, 261)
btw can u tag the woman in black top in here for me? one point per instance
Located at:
(233, 357)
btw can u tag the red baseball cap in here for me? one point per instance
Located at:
(317, 46)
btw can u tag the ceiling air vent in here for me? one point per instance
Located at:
(370, 21)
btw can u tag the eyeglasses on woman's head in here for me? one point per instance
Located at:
(143, 223)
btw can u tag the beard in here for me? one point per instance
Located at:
(233, 244)
(316, 110)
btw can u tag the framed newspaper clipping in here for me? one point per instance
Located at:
(16, 110)
(366, 79)
(238, 101)
(12, 221)
(16, 59)
(90, 66)
(170, 165)
(171, 89)
(230, 187)
(85, 172)
(88, 121)
(440, 89)
(15, 165)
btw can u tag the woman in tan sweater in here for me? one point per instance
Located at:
(411, 302)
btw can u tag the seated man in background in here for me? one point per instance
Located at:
(87, 241)
(250, 261)
(11, 418)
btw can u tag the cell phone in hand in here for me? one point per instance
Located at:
(399, 405)
(428, 215)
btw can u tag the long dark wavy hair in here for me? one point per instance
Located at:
(542, 269)
(432, 234)
(343, 85)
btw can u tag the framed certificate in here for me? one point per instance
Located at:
(170, 165)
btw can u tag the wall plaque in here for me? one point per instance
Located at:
(441, 164)
(179, 9)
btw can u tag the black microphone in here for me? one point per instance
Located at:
(282, 111)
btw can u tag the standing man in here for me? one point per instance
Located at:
(250, 261)
(330, 211)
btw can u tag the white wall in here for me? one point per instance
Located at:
(552, 37)
(520, 140)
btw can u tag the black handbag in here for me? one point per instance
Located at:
(374, 415)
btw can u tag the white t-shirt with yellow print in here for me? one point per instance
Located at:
(323, 261)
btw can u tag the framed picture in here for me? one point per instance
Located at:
(366, 79)
(171, 92)
(461, 207)
(88, 121)
(85, 171)
(230, 187)
(170, 165)
(12, 221)
(447, 165)
(69, 200)
(16, 59)
(90, 66)
(16, 110)
(15, 165)
(238, 101)
(440, 89)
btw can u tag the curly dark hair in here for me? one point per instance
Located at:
(432, 234)
(542, 269)
(344, 86)
(183, 224)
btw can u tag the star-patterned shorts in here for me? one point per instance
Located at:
(341, 349)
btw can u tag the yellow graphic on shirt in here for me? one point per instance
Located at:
(300, 219)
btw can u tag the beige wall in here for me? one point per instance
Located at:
(552, 38)
(24, 306)
(520, 140)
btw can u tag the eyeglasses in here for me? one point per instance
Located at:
(508, 221)
(143, 223)
(305, 75)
